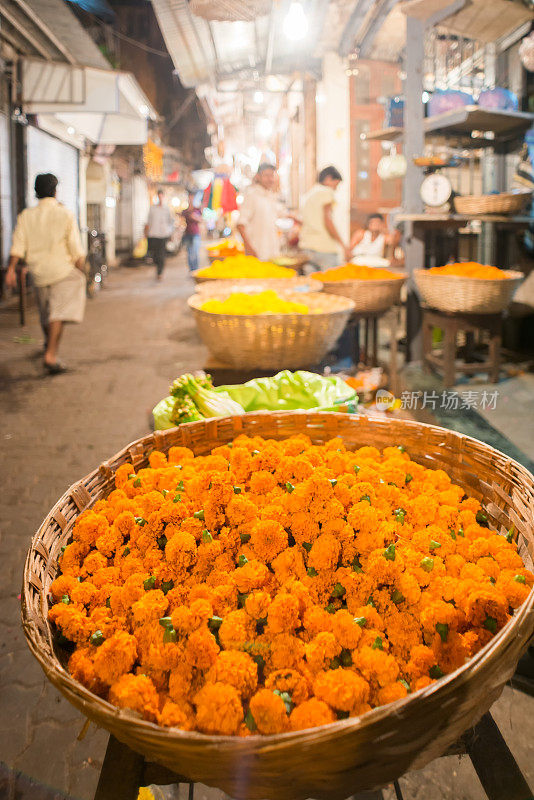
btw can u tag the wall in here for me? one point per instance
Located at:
(333, 132)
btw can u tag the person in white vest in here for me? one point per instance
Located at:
(371, 241)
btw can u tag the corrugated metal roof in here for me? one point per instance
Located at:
(62, 27)
(203, 52)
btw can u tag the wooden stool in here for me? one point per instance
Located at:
(370, 341)
(451, 324)
(124, 771)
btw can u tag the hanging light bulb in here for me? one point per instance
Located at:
(265, 128)
(258, 98)
(295, 24)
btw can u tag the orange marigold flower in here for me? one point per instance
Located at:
(296, 684)
(341, 688)
(317, 620)
(253, 575)
(388, 694)
(257, 604)
(283, 614)
(219, 709)
(268, 538)
(269, 712)
(115, 656)
(180, 680)
(321, 650)
(151, 606)
(201, 649)
(310, 714)
(71, 621)
(346, 629)
(375, 665)
(236, 631)
(136, 692)
(177, 716)
(62, 586)
(82, 669)
(324, 553)
(236, 669)
(180, 551)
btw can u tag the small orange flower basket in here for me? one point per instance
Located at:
(332, 760)
(460, 294)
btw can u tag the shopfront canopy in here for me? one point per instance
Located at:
(106, 106)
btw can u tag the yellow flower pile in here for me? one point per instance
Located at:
(274, 586)
(241, 266)
(268, 302)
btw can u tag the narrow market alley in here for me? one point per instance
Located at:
(136, 337)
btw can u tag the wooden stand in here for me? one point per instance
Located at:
(471, 325)
(370, 340)
(124, 771)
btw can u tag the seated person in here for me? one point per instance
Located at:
(372, 240)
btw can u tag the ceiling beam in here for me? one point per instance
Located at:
(353, 26)
(366, 44)
(22, 29)
(58, 44)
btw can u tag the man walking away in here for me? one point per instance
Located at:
(191, 237)
(159, 227)
(319, 235)
(47, 238)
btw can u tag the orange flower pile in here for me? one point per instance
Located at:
(275, 586)
(470, 269)
(354, 272)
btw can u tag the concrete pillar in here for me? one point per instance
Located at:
(333, 132)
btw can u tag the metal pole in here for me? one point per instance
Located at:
(414, 143)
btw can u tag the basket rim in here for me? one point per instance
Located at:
(509, 275)
(496, 196)
(400, 278)
(347, 306)
(258, 742)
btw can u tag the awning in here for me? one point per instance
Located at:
(105, 106)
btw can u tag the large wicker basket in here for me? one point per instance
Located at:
(456, 294)
(273, 341)
(371, 295)
(503, 203)
(205, 278)
(336, 760)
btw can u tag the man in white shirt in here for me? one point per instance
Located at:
(258, 215)
(47, 238)
(319, 235)
(371, 242)
(158, 229)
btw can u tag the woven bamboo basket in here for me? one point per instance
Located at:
(369, 295)
(503, 203)
(205, 279)
(332, 761)
(273, 341)
(455, 293)
(279, 285)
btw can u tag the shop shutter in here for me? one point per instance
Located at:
(6, 216)
(45, 153)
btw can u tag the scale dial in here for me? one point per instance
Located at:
(436, 190)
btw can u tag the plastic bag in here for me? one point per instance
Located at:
(289, 391)
(286, 391)
(162, 414)
(141, 248)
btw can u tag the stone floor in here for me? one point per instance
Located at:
(136, 337)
